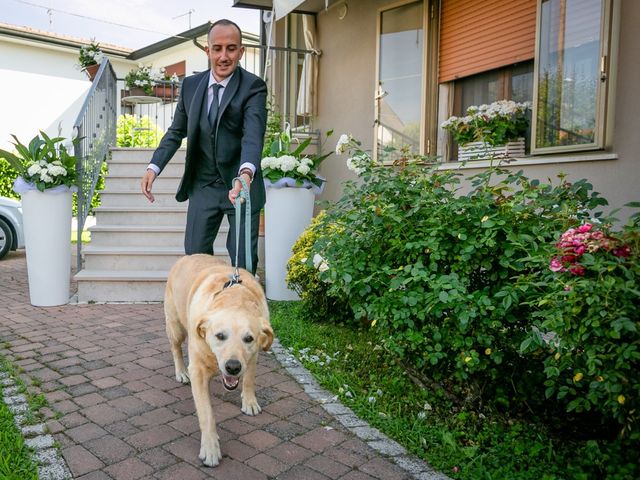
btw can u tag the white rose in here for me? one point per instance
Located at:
(341, 146)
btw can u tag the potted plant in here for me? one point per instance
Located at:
(496, 130)
(46, 179)
(166, 87)
(292, 182)
(90, 58)
(141, 81)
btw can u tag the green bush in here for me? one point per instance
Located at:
(7, 176)
(434, 269)
(302, 276)
(137, 132)
(586, 326)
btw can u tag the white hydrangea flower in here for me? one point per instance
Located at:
(57, 170)
(267, 162)
(341, 146)
(45, 177)
(288, 163)
(33, 170)
(303, 169)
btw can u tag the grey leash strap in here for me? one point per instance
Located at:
(244, 197)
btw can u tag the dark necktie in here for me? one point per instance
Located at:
(213, 109)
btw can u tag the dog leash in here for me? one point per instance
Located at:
(244, 197)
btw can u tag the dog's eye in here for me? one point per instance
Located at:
(248, 339)
(221, 336)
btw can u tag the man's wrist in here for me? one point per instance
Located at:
(247, 172)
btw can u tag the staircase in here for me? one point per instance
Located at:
(134, 243)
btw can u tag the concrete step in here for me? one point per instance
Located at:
(147, 215)
(136, 258)
(141, 156)
(137, 169)
(121, 285)
(119, 197)
(145, 236)
(127, 181)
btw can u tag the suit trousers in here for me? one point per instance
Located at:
(208, 204)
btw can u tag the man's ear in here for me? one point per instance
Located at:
(266, 336)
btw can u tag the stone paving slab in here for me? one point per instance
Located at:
(118, 413)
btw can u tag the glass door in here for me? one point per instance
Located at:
(399, 94)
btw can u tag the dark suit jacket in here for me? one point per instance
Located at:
(240, 130)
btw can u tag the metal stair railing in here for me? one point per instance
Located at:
(95, 131)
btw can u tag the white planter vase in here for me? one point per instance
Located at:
(483, 151)
(287, 213)
(47, 231)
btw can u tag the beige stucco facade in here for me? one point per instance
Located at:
(347, 85)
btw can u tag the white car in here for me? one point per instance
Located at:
(11, 226)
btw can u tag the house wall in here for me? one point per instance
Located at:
(346, 103)
(43, 89)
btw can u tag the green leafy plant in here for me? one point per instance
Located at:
(434, 268)
(586, 326)
(137, 132)
(143, 77)
(44, 162)
(90, 55)
(284, 161)
(495, 124)
(303, 275)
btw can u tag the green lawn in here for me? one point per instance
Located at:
(15, 459)
(460, 443)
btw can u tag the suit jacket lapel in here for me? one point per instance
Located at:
(228, 93)
(195, 109)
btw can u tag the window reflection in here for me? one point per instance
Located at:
(568, 75)
(399, 94)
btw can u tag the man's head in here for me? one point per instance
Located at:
(224, 48)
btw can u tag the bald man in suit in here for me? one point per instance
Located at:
(222, 113)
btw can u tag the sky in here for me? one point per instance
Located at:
(126, 23)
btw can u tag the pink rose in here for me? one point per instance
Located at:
(577, 270)
(584, 228)
(556, 265)
(623, 251)
(580, 250)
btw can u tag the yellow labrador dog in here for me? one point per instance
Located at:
(226, 326)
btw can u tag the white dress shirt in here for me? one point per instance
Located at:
(223, 84)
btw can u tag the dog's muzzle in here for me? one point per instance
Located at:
(230, 378)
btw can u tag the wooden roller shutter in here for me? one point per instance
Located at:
(479, 36)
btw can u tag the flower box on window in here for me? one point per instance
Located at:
(484, 151)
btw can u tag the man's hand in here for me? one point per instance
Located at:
(237, 187)
(146, 183)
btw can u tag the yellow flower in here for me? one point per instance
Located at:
(557, 356)
(467, 359)
(577, 377)
(621, 399)
(485, 218)
(487, 351)
(373, 324)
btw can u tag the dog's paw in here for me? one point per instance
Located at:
(183, 377)
(250, 406)
(210, 452)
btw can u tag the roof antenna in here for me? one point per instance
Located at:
(50, 13)
(191, 10)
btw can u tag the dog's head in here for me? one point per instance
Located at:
(235, 336)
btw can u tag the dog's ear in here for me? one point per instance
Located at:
(266, 336)
(201, 327)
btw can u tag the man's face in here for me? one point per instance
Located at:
(224, 50)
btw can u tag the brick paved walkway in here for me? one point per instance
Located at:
(118, 413)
